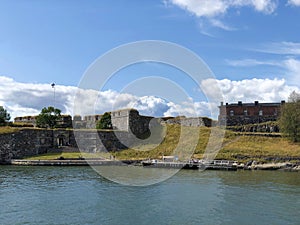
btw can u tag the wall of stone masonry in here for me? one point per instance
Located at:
(131, 121)
(30, 142)
(120, 120)
(190, 121)
(24, 143)
(243, 120)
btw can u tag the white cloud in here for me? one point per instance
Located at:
(189, 109)
(282, 48)
(291, 66)
(209, 10)
(266, 6)
(221, 25)
(204, 8)
(250, 90)
(22, 99)
(294, 2)
(293, 74)
(213, 8)
(250, 62)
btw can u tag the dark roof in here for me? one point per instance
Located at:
(253, 104)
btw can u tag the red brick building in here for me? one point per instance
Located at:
(248, 113)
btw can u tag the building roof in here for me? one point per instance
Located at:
(252, 104)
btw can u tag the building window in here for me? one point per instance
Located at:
(275, 112)
(260, 113)
(231, 113)
(245, 112)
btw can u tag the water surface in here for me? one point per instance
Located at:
(78, 195)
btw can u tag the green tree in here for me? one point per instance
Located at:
(4, 116)
(290, 117)
(104, 122)
(48, 117)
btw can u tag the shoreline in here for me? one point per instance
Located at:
(280, 166)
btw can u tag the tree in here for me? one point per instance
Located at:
(48, 117)
(104, 122)
(4, 116)
(290, 117)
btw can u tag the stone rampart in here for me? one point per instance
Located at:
(24, 143)
(190, 121)
(30, 142)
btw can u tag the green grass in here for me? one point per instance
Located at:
(69, 155)
(235, 146)
(168, 146)
(7, 129)
(259, 147)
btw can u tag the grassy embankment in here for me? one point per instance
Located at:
(69, 155)
(6, 129)
(235, 146)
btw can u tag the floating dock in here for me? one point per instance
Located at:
(200, 165)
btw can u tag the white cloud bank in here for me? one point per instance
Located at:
(22, 99)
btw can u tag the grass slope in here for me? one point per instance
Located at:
(7, 129)
(235, 146)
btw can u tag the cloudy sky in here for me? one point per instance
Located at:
(252, 48)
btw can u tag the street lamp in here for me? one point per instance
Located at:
(53, 86)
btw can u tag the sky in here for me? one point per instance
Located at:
(251, 47)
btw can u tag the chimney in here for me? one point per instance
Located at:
(256, 103)
(222, 103)
(282, 102)
(240, 103)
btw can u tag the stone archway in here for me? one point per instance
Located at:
(61, 140)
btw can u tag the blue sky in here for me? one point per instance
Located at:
(252, 47)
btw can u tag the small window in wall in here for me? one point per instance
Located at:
(260, 113)
(245, 112)
(275, 112)
(231, 113)
(42, 141)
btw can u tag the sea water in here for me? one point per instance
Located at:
(79, 195)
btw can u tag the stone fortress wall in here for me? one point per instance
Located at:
(131, 121)
(122, 120)
(33, 141)
(29, 142)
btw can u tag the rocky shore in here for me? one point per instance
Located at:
(251, 165)
(286, 166)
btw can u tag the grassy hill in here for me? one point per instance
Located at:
(235, 146)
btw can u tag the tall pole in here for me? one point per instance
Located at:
(53, 86)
